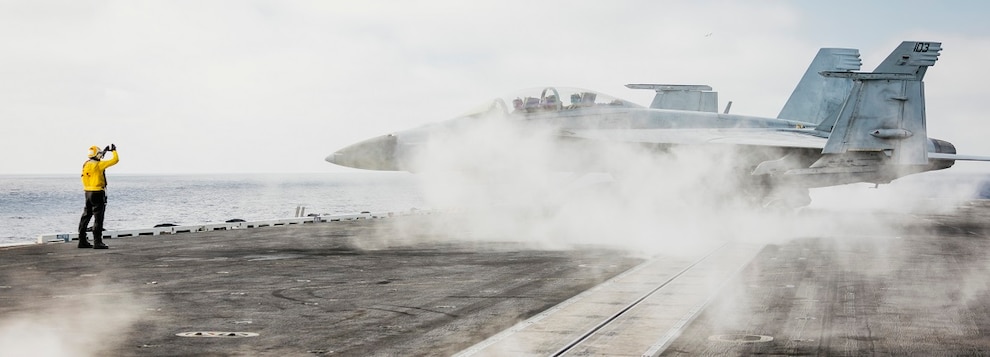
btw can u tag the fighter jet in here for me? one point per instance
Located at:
(838, 127)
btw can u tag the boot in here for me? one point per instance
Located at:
(83, 242)
(98, 240)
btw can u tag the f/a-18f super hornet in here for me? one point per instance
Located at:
(838, 127)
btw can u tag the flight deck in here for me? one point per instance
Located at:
(887, 283)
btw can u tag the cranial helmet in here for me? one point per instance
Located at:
(94, 151)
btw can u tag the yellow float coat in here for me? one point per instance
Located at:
(92, 173)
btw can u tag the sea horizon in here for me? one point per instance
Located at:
(32, 205)
(37, 204)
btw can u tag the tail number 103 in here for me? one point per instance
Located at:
(922, 46)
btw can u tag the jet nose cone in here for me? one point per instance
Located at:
(372, 154)
(338, 158)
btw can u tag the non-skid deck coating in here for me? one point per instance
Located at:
(344, 288)
(920, 290)
(918, 286)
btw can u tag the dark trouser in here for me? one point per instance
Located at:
(96, 204)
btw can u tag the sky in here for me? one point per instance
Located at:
(187, 87)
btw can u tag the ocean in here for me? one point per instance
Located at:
(35, 205)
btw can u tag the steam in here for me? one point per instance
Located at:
(939, 192)
(82, 324)
(509, 180)
(515, 180)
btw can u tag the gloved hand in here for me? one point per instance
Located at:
(106, 149)
(113, 147)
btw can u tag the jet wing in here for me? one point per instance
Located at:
(756, 137)
(800, 138)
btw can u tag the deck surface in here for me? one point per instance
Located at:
(919, 286)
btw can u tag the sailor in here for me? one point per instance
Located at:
(94, 184)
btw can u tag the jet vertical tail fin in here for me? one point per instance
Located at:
(818, 98)
(885, 110)
(912, 58)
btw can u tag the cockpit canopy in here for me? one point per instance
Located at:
(535, 101)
